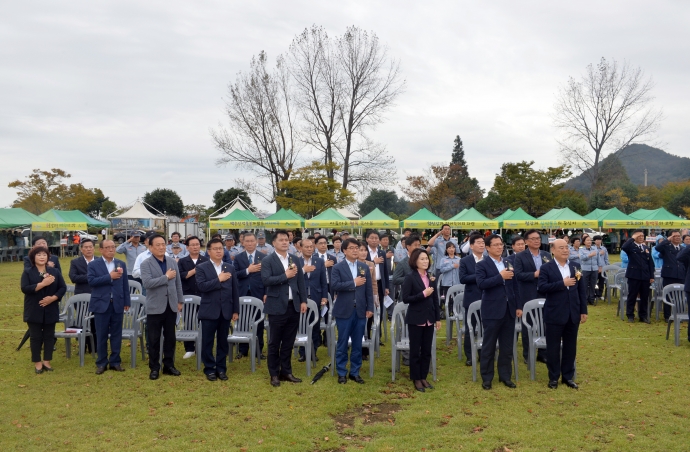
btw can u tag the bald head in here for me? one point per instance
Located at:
(560, 250)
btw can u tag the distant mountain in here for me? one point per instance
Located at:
(661, 166)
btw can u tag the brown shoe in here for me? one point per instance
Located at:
(100, 370)
(291, 378)
(117, 368)
(275, 382)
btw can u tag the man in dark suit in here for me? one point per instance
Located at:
(248, 270)
(314, 271)
(402, 267)
(684, 258)
(329, 260)
(672, 271)
(564, 309)
(187, 266)
(494, 275)
(640, 274)
(109, 300)
(53, 260)
(378, 256)
(286, 298)
(79, 277)
(353, 285)
(217, 283)
(527, 266)
(468, 266)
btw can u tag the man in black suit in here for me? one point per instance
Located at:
(187, 266)
(317, 289)
(78, 276)
(286, 298)
(564, 309)
(640, 274)
(248, 269)
(672, 272)
(378, 257)
(53, 261)
(468, 278)
(329, 260)
(527, 266)
(494, 275)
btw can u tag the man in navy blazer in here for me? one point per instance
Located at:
(286, 299)
(109, 300)
(672, 271)
(527, 266)
(248, 270)
(217, 283)
(494, 278)
(187, 266)
(321, 243)
(79, 277)
(640, 274)
(468, 278)
(564, 309)
(314, 271)
(351, 280)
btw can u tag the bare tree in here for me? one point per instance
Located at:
(262, 134)
(605, 111)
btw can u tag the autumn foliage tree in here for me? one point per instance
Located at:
(431, 190)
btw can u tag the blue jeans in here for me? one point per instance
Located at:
(108, 323)
(352, 327)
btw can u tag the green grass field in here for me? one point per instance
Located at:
(634, 395)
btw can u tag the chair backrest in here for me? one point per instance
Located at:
(617, 264)
(456, 293)
(129, 319)
(610, 271)
(308, 319)
(251, 309)
(619, 278)
(399, 331)
(533, 317)
(142, 300)
(134, 287)
(78, 308)
(674, 294)
(474, 322)
(190, 313)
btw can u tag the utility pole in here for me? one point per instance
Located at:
(645, 177)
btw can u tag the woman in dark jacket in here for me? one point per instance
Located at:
(423, 315)
(43, 287)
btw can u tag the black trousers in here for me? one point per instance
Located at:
(42, 335)
(667, 308)
(157, 324)
(501, 330)
(215, 329)
(635, 287)
(601, 282)
(283, 332)
(370, 320)
(421, 338)
(561, 365)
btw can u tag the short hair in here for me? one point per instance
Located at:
(189, 239)
(214, 236)
(685, 235)
(449, 244)
(672, 231)
(296, 240)
(516, 238)
(597, 237)
(409, 241)
(531, 231)
(412, 261)
(320, 238)
(444, 225)
(491, 238)
(85, 241)
(280, 232)
(384, 236)
(350, 241)
(37, 238)
(407, 230)
(636, 231)
(573, 238)
(249, 234)
(175, 234)
(214, 240)
(371, 232)
(311, 237)
(337, 238)
(35, 251)
(475, 236)
(156, 236)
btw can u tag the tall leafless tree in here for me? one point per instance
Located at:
(605, 111)
(261, 135)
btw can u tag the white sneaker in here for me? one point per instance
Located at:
(188, 355)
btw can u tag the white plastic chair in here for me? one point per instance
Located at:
(245, 329)
(78, 317)
(474, 324)
(674, 296)
(455, 315)
(400, 340)
(303, 338)
(132, 327)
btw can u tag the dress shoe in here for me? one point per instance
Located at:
(291, 378)
(38, 371)
(117, 368)
(188, 355)
(419, 386)
(365, 357)
(631, 319)
(553, 384)
(240, 356)
(356, 379)
(211, 377)
(262, 356)
(342, 380)
(646, 320)
(427, 385)
(100, 370)
(570, 384)
(153, 375)
(541, 359)
(509, 384)
(275, 382)
(486, 385)
(171, 371)
(468, 363)
(302, 359)
(222, 376)
(316, 358)
(47, 369)
(381, 344)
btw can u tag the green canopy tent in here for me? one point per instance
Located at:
(14, 218)
(72, 216)
(659, 218)
(613, 219)
(553, 219)
(377, 219)
(516, 215)
(329, 218)
(422, 218)
(236, 219)
(471, 219)
(283, 219)
(502, 216)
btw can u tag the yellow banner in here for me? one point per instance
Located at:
(327, 223)
(549, 224)
(376, 223)
(414, 224)
(473, 224)
(48, 226)
(235, 224)
(630, 224)
(269, 224)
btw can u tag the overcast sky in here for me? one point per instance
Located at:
(122, 94)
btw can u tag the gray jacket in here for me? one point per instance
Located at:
(159, 289)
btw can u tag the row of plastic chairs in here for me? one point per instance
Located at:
(13, 254)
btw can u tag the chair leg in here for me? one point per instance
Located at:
(82, 350)
(676, 327)
(143, 349)
(133, 352)
(68, 347)
(307, 354)
(449, 331)
(252, 353)
(231, 352)
(393, 359)
(668, 328)
(515, 356)
(474, 363)
(93, 346)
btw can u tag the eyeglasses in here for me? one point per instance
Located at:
(533, 238)
(352, 248)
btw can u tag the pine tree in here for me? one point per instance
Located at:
(465, 188)
(458, 157)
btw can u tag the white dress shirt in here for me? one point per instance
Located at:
(565, 270)
(324, 258)
(374, 254)
(136, 271)
(218, 267)
(286, 262)
(251, 258)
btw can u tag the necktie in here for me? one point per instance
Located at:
(251, 259)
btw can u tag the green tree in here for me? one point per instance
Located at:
(36, 193)
(680, 204)
(107, 208)
(574, 200)
(465, 189)
(198, 211)
(384, 200)
(166, 201)
(222, 197)
(310, 191)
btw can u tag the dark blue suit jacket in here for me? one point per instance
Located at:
(53, 258)
(277, 284)
(519, 301)
(524, 274)
(78, 275)
(497, 293)
(684, 258)
(383, 268)
(317, 287)
(330, 258)
(252, 281)
(671, 268)
(469, 279)
(562, 304)
(217, 298)
(640, 263)
(348, 294)
(185, 265)
(102, 287)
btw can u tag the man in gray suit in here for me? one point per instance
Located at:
(161, 278)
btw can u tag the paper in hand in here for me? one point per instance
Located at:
(387, 301)
(324, 310)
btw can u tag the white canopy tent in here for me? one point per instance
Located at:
(138, 217)
(235, 204)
